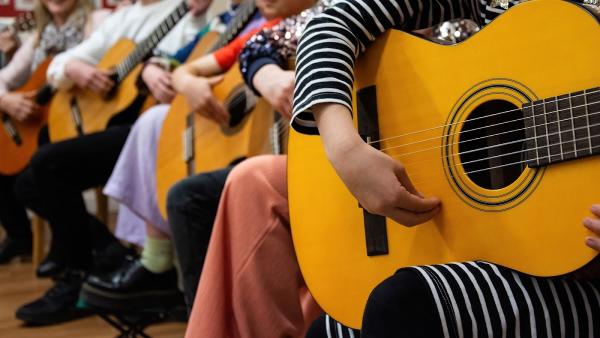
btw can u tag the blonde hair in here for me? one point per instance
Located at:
(43, 17)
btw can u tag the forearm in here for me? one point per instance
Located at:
(337, 130)
(204, 66)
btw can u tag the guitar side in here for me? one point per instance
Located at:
(524, 55)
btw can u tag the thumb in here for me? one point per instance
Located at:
(215, 80)
(30, 95)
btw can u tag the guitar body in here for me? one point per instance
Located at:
(214, 146)
(95, 111)
(527, 219)
(15, 157)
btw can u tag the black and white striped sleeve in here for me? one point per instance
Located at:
(333, 40)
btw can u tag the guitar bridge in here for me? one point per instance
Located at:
(76, 116)
(188, 144)
(368, 128)
(11, 130)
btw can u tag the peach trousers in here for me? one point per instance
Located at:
(251, 285)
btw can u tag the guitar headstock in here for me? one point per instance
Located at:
(24, 22)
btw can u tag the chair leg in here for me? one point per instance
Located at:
(39, 239)
(101, 206)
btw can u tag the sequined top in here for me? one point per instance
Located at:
(276, 45)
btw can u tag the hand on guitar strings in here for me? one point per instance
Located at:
(277, 87)
(159, 82)
(593, 224)
(20, 106)
(87, 76)
(200, 98)
(380, 183)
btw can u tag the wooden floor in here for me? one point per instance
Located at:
(18, 285)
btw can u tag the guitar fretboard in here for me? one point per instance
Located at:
(242, 17)
(146, 47)
(562, 128)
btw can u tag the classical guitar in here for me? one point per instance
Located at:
(19, 140)
(77, 111)
(503, 127)
(191, 144)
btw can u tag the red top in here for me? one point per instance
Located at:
(227, 55)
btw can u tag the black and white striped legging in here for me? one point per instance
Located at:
(474, 299)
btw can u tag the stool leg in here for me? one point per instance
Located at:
(39, 237)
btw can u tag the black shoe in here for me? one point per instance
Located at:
(14, 247)
(111, 257)
(59, 304)
(55, 262)
(49, 268)
(132, 287)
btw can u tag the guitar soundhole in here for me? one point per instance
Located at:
(492, 144)
(238, 108)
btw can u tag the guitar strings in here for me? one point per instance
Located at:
(537, 159)
(559, 132)
(501, 123)
(589, 137)
(597, 90)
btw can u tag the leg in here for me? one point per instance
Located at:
(251, 285)
(192, 206)
(133, 180)
(326, 327)
(133, 183)
(61, 172)
(13, 218)
(401, 306)
(27, 192)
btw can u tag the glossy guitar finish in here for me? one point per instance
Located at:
(19, 140)
(95, 112)
(78, 111)
(210, 146)
(515, 211)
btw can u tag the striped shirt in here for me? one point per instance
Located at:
(480, 299)
(332, 41)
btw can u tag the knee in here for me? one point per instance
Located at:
(42, 162)
(23, 186)
(187, 192)
(253, 172)
(176, 196)
(392, 296)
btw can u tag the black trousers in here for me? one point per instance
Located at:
(192, 207)
(59, 173)
(13, 216)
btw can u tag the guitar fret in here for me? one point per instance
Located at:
(566, 127)
(572, 124)
(552, 129)
(548, 143)
(581, 128)
(149, 43)
(593, 99)
(533, 157)
(542, 133)
(587, 116)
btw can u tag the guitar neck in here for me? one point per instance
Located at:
(242, 18)
(145, 48)
(562, 128)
